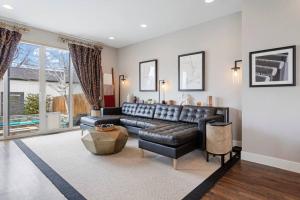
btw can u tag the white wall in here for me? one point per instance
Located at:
(32, 87)
(220, 39)
(271, 116)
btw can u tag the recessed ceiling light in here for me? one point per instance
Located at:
(111, 38)
(209, 1)
(143, 25)
(6, 6)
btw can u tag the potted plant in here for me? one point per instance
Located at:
(97, 110)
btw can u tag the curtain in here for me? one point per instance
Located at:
(8, 45)
(87, 64)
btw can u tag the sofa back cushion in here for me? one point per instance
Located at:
(129, 108)
(193, 114)
(145, 110)
(167, 112)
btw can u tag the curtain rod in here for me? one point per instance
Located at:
(13, 26)
(82, 42)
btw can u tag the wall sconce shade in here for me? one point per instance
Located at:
(235, 70)
(161, 84)
(123, 79)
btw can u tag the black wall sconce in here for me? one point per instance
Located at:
(235, 69)
(122, 80)
(161, 83)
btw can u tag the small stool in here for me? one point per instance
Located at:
(218, 140)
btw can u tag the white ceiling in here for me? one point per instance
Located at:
(100, 19)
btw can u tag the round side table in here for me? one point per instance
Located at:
(218, 140)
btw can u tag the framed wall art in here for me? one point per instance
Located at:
(148, 76)
(191, 71)
(273, 67)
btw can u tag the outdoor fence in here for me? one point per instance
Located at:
(81, 106)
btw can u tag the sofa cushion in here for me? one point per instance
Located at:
(172, 135)
(145, 110)
(140, 122)
(126, 120)
(129, 108)
(151, 123)
(94, 121)
(193, 114)
(167, 112)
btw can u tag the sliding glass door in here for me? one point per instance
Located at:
(24, 90)
(80, 106)
(35, 92)
(57, 88)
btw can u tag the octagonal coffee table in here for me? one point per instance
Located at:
(105, 142)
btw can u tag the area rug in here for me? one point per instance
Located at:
(125, 175)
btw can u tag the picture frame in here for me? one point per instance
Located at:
(148, 76)
(273, 67)
(191, 71)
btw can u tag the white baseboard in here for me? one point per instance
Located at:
(271, 161)
(237, 143)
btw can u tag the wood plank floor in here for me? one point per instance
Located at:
(20, 178)
(247, 180)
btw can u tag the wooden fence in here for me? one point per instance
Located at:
(81, 106)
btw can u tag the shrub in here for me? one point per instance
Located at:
(31, 105)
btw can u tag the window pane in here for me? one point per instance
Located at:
(27, 56)
(80, 105)
(24, 90)
(57, 88)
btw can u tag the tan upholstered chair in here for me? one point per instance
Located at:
(218, 139)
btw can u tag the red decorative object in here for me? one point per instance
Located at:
(109, 101)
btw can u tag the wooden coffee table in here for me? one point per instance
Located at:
(105, 142)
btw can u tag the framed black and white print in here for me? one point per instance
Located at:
(191, 71)
(148, 76)
(273, 67)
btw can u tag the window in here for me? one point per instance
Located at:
(80, 105)
(24, 90)
(57, 88)
(39, 83)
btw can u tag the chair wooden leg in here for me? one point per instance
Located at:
(142, 153)
(175, 163)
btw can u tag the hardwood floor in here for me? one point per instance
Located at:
(247, 180)
(20, 178)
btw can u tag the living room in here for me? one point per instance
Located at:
(129, 94)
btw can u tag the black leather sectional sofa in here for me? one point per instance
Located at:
(169, 130)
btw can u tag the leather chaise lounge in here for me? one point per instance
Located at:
(168, 130)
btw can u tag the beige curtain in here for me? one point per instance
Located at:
(87, 64)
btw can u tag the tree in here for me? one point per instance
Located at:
(31, 106)
(26, 55)
(58, 65)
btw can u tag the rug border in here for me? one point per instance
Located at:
(71, 193)
(58, 181)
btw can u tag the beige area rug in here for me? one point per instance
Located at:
(125, 175)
